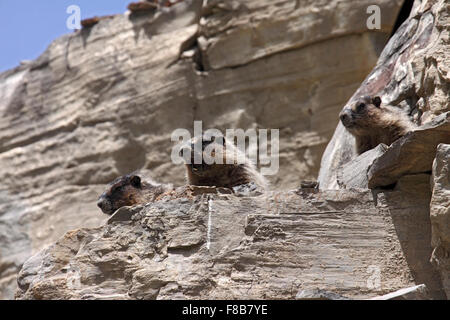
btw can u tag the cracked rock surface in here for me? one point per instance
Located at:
(219, 246)
(103, 101)
(440, 214)
(413, 74)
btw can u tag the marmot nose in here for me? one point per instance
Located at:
(345, 118)
(101, 204)
(105, 205)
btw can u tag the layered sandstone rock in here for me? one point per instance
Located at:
(103, 101)
(383, 166)
(303, 243)
(440, 214)
(354, 244)
(412, 73)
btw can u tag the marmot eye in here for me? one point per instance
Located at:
(360, 107)
(116, 189)
(135, 181)
(376, 101)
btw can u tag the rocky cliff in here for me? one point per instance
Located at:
(354, 244)
(104, 100)
(413, 73)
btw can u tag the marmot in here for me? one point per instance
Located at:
(372, 123)
(142, 6)
(130, 190)
(221, 175)
(90, 22)
(150, 6)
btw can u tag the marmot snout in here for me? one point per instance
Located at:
(372, 123)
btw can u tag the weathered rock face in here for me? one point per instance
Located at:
(412, 154)
(440, 214)
(383, 166)
(103, 101)
(355, 244)
(413, 73)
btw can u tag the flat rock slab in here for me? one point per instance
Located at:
(219, 246)
(412, 154)
(354, 173)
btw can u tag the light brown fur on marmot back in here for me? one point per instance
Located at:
(221, 175)
(142, 6)
(129, 190)
(89, 22)
(372, 123)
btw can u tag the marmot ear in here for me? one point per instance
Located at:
(376, 101)
(135, 181)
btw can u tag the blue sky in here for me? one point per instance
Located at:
(27, 27)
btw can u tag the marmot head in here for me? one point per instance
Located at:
(124, 191)
(361, 115)
(214, 161)
(207, 157)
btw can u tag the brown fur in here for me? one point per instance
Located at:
(169, 4)
(142, 6)
(87, 23)
(222, 175)
(129, 190)
(372, 123)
